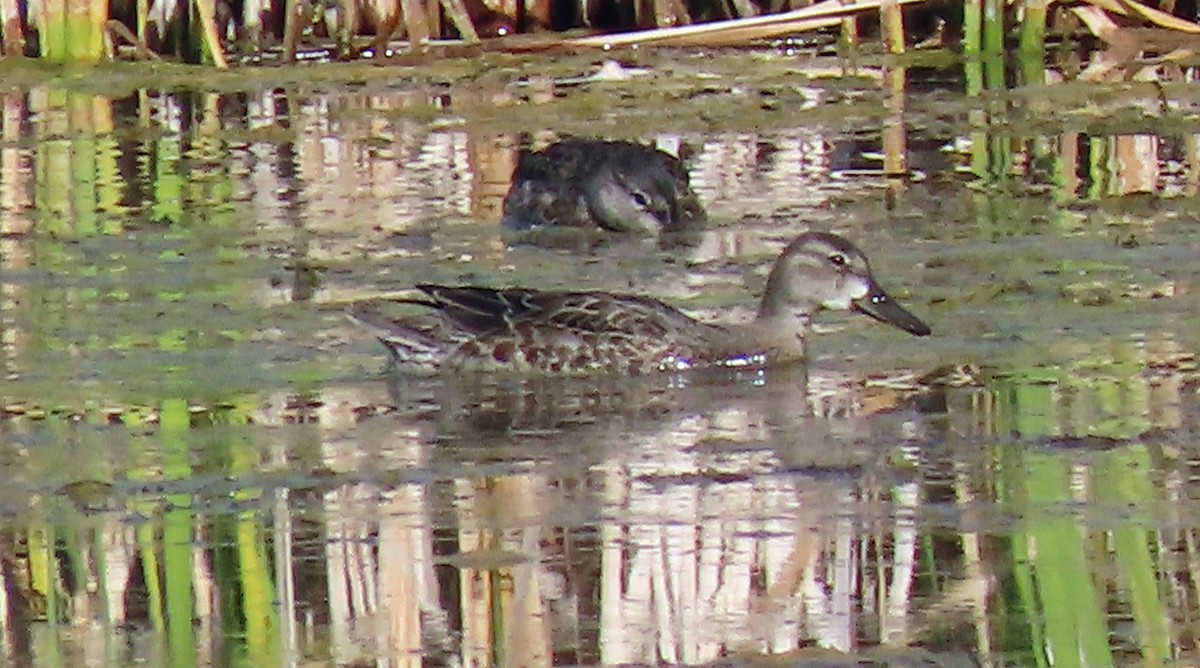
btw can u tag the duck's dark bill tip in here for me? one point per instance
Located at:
(881, 307)
(919, 329)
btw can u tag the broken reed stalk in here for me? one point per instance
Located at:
(1155, 16)
(117, 31)
(207, 10)
(456, 11)
(828, 12)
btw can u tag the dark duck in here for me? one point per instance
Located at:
(619, 186)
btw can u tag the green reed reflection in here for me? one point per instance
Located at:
(1124, 478)
(1070, 608)
(178, 543)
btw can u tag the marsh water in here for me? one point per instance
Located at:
(204, 463)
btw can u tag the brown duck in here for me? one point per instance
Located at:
(536, 331)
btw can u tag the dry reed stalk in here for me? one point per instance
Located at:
(1125, 45)
(118, 30)
(416, 21)
(828, 12)
(741, 36)
(142, 9)
(393, 14)
(849, 37)
(744, 8)
(892, 22)
(1155, 16)
(252, 24)
(348, 24)
(97, 18)
(12, 37)
(293, 25)
(456, 11)
(208, 26)
(894, 134)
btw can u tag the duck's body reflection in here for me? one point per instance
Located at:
(769, 409)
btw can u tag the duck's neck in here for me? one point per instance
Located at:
(781, 336)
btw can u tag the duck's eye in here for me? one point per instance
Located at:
(641, 199)
(838, 259)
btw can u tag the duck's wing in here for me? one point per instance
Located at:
(412, 342)
(486, 310)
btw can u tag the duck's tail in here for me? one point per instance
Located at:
(409, 344)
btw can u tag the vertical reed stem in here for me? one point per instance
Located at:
(993, 27)
(12, 36)
(347, 28)
(252, 13)
(51, 25)
(1033, 42)
(292, 26)
(972, 29)
(849, 33)
(142, 10)
(95, 17)
(894, 137)
(416, 20)
(892, 22)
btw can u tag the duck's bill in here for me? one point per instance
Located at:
(880, 306)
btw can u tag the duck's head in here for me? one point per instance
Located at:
(641, 197)
(818, 271)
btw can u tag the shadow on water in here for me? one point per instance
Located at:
(203, 463)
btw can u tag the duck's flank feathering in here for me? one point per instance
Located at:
(537, 331)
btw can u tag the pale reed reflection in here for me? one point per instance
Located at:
(704, 543)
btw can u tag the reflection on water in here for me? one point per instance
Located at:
(203, 466)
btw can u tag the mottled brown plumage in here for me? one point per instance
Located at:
(535, 331)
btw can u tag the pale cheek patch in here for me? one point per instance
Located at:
(858, 290)
(850, 291)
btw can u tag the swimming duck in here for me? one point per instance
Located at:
(535, 331)
(614, 185)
